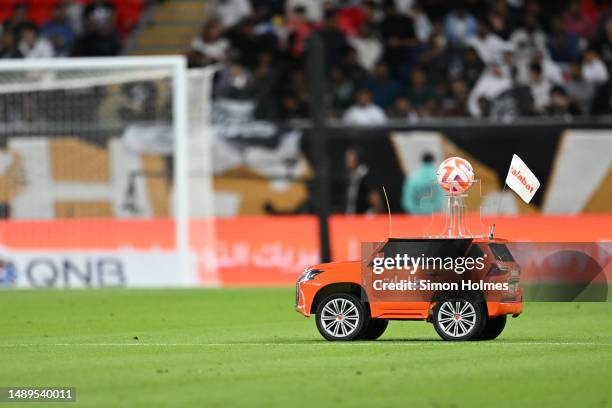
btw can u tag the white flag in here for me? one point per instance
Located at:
(521, 179)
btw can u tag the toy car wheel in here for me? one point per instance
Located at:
(374, 330)
(457, 318)
(341, 317)
(493, 328)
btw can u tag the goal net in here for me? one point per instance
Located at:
(106, 157)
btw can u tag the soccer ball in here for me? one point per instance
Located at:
(455, 175)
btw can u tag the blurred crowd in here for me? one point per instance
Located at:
(74, 28)
(412, 60)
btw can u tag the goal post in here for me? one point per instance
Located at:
(139, 113)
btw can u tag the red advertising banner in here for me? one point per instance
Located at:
(267, 251)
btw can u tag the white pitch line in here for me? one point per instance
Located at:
(323, 344)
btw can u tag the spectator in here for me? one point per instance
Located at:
(352, 69)
(576, 23)
(563, 46)
(603, 45)
(468, 66)
(293, 107)
(298, 28)
(578, 90)
(18, 18)
(551, 70)
(232, 12)
(436, 57)
(244, 43)
(423, 28)
(457, 103)
(560, 104)
(364, 112)
(31, 45)
(420, 193)
(459, 26)
(375, 203)
(493, 81)
(419, 93)
(102, 41)
(334, 40)
(343, 89)
(500, 19)
(314, 8)
(528, 39)
(602, 102)
(210, 42)
(540, 87)
(384, 89)
(368, 47)
(489, 46)
(357, 182)
(402, 110)
(593, 68)
(399, 39)
(59, 30)
(74, 11)
(8, 45)
(98, 15)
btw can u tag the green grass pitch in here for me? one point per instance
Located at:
(249, 348)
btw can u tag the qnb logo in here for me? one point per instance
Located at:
(517, 173)
(8, 273)
(46, 272)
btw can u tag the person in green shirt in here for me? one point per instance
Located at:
(421, 193)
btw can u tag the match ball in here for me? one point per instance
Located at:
(455, 175)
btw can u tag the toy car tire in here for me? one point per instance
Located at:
(374, 330)
(341, 317)
(493, 328)
(459, 318)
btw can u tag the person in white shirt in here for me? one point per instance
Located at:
(493, 81)
(368, 46)
(314, 8)
(488, 45)
(593, 68)
(231, 12)
(540, 87)
(32, 45)
(210, 43)
(364, 112)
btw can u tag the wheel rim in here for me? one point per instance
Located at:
(340, 317)
(457, 318)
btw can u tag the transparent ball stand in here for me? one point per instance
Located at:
(453, 222)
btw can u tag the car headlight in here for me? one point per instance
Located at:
(309, 274)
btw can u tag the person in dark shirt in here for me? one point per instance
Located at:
(399, 38)
(59, 30)
(104, 42)
(18, 18)
(334, 40)
(560, 104)
(99, 13)
(384, 89)
(8, 45)
(603, 44)
(358, 182)
(419, 93)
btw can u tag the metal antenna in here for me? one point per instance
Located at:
(389, 211)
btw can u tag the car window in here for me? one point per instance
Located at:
(475, 252)
(501, 252)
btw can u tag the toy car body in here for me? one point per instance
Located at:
(344, 309)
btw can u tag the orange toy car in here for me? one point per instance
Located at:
(346, 307)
